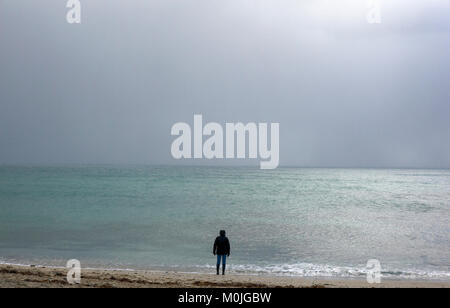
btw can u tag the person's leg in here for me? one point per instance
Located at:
(218, 263)
(224, 263)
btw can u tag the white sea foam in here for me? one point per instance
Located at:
(318, 270)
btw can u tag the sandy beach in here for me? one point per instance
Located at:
(12, 276)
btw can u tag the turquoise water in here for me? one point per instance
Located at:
(289, 221)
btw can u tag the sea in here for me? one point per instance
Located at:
(290, 221)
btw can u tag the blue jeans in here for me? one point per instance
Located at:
(224, 259)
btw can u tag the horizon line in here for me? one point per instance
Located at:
(287, 166)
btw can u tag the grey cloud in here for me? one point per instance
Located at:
(108, 91)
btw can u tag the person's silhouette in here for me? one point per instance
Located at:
(222, 250)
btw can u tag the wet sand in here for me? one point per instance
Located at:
(41, 277)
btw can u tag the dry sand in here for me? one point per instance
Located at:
(41, 277)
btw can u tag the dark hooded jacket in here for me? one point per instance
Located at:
(221, 246)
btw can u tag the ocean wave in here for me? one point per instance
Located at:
(317, 270)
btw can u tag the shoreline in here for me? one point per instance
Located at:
(18, 276)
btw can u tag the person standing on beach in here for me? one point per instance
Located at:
(222, 250)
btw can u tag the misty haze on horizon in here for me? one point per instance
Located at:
(107, 91)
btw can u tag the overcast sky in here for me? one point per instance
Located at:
(345, 92)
